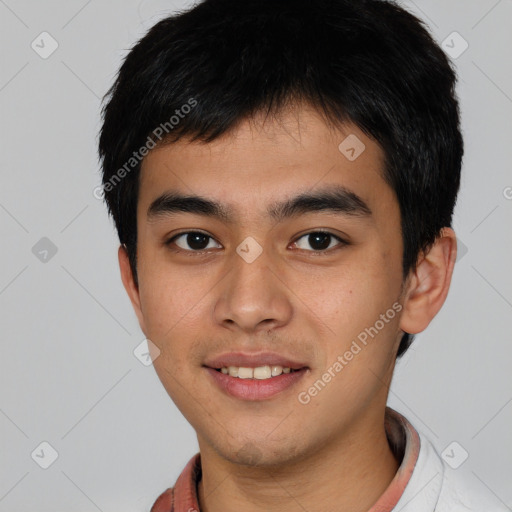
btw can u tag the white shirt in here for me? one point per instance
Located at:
(434, 486)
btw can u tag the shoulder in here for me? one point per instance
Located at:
(435, 487)
(183, 495)
(460, 493)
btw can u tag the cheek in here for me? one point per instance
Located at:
(167, 302)
(353, 295)
(176, 306)
(358, 303)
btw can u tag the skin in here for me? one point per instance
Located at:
(275, 454)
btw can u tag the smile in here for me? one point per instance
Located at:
(260, 372)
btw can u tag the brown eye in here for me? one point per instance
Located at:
(319, 241)
(193, 241)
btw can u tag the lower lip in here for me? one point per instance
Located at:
(255, 389)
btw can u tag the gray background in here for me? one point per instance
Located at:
(68, 372)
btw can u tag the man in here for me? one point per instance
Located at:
(282, 175)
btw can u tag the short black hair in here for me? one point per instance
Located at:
(199, 73)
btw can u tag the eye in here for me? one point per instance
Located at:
(195, 240)
(320, 241)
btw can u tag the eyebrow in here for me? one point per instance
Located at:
(331, 199)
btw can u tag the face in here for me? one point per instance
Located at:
(289, 256)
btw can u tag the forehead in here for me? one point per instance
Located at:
(262, 161)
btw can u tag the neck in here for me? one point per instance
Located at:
(350, 473)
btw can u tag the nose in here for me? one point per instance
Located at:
(253, 297)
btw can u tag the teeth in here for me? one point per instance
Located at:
(245, 373)
(260, 372)
(276, 370)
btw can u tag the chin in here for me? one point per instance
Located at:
(260, 454)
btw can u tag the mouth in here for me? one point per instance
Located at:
(255, 376)
(260, 372)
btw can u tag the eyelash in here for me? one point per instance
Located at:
(313, 253)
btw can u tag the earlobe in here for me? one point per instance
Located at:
(428, 284)
(129, 284)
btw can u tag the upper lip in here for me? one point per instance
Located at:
(253, 360)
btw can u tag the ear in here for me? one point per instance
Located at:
(428, 284)
(129, 284)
